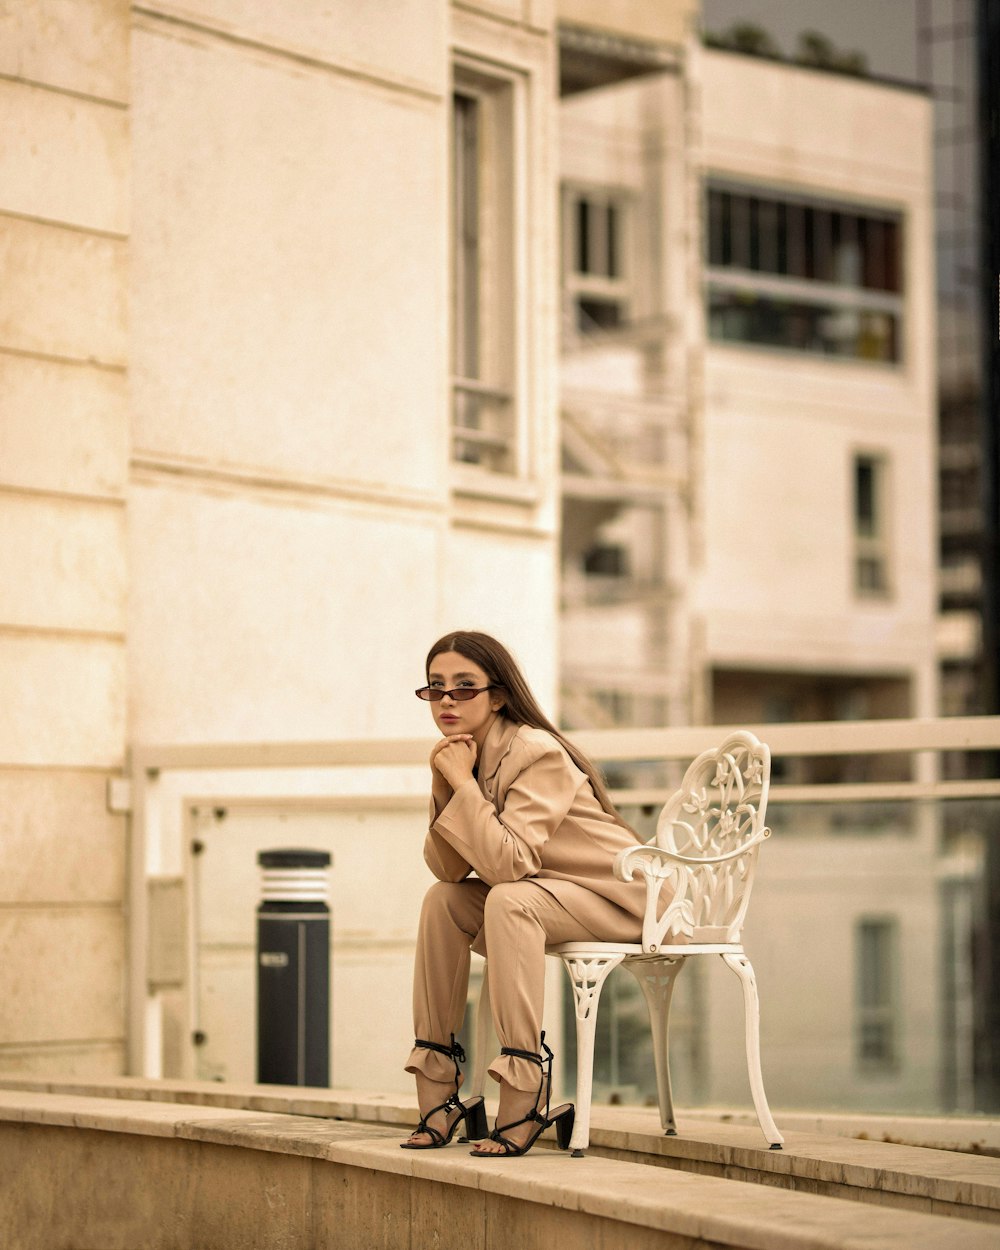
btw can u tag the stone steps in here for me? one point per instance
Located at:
(126, 1163)
(891, 1173)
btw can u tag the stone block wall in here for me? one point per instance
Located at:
(64, 230)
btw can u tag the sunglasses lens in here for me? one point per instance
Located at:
(462, 694)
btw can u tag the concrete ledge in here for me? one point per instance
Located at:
(968, 1133)
(906, 1177)
(95, 1171)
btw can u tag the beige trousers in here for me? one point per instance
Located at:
(518, 919)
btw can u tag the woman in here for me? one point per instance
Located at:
(524, 810)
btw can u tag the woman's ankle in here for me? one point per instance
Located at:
(431, 1093)
(515, 1103)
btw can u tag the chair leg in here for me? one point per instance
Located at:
(588, 975)
(483, 1029)
(657, 978)
(751, 1008)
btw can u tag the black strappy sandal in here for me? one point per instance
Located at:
(562, 1117)
(471, 1113)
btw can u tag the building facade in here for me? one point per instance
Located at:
(748, 393)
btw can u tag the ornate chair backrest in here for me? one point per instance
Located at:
(715, 824)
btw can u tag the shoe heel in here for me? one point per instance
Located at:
(476, 1124)
(564, 1128)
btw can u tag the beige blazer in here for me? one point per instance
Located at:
(531, 812)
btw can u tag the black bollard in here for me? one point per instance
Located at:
(293, 969)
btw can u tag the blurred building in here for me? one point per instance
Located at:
(948, 41)
(748, 394)
(694, 446)
(988, 79)
(631, 365)
(959, 59)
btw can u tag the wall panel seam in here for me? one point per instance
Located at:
(291, 55)
(62, 633)
(52, 358)
(61, 905)
(154, 467)
(58, 1044)
(63, 496)
(86, 770)
(103, 101)
(501, 19)
(91, 231)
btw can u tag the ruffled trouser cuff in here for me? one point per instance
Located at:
(432, 1064)
(521, 1073)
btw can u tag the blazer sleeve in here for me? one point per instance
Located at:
(440, 857)
(507, 845)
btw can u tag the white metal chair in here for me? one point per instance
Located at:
(705, 852)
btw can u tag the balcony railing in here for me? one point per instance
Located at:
(482, 425)
(870, 903)
(643, 438)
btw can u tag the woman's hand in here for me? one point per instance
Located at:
(452, 760)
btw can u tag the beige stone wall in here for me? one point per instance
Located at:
(64, 185)
(288, 358)
(226, 499)
(290, 489)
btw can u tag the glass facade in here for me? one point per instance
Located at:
(803, 275)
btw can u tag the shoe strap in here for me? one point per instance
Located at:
(544, 1082)
(454, 1051)
(452, 1103)
(424, 1127)
(534, 1056)
(510, 1147)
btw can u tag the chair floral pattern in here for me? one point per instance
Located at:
(705, 847)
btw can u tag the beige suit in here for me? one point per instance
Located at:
(542, 848)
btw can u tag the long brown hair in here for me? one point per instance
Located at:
(520, 705)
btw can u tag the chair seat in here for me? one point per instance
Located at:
(633, 950)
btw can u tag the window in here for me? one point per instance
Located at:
(805, 275)
(482, 268)
(871, 553)
(876, 974)
(618, 549)
(606, 560)
(617, 704)
(595, 265)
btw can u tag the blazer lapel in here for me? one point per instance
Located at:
(498, 742)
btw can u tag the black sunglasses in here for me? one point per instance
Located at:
(461, 694)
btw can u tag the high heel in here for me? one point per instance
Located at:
(562, 1117)
(471, 1113)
